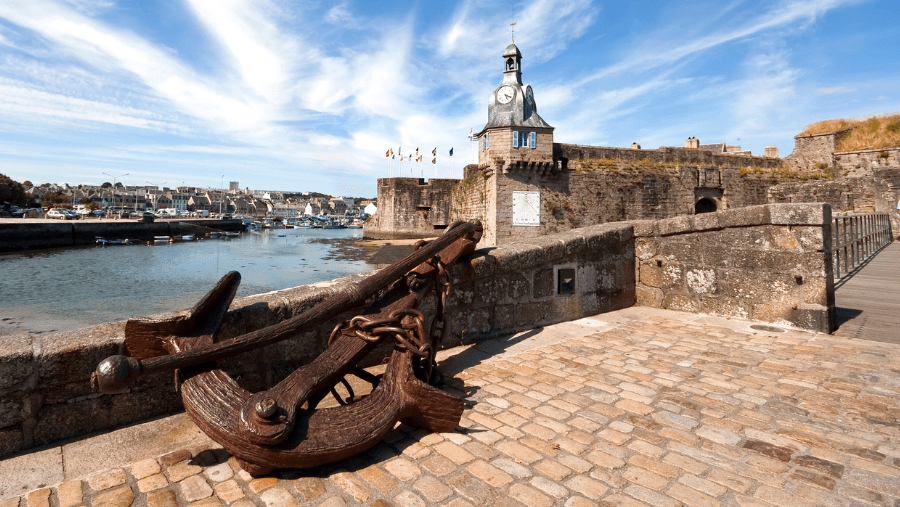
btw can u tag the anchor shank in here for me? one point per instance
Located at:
(352, 296)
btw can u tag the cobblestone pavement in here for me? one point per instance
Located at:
(644, 407)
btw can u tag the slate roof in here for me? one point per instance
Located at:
(715, 148)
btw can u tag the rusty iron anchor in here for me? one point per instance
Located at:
(282, 427)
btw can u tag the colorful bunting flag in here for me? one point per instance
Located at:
(387, 153)
(434, 160)
(434, 152)
(451, 152)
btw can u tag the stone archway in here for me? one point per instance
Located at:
(705, 205)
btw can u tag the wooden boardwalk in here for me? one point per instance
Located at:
(868, 302)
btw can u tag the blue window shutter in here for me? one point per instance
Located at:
(533, 140)
(487, 141)
(515, 139)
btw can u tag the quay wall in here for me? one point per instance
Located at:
(23, 234)
(767, 262)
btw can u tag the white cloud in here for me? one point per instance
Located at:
(657, 53)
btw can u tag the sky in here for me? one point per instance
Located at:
(308, 96)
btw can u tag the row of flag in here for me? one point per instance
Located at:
(411, 158)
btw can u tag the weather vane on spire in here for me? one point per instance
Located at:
(512, 29)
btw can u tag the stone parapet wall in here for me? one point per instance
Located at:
(516, 286)
(863, 163)
(764, 262)
(770, 263)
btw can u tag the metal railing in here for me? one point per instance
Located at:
(857, 238)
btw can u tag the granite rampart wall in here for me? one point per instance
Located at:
(410, 208)
(877, 193)
(764, 262)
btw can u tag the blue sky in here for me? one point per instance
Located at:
(305, 95)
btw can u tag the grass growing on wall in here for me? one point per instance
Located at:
(786, 174)
(873, 133)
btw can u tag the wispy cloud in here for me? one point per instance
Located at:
(659, 53)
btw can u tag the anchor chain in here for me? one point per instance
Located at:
(406, 327)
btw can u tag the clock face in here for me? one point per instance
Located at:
(505, 94)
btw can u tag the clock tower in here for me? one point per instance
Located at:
(514, 132)
(515, 156)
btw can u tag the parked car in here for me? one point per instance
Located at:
(99, 212)
(58, 213)
(72, 215)
(147, 217)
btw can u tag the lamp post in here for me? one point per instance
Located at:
(114, 185)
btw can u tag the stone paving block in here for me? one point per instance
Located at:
(119, 497)
(106, 479)
(194, 488)
(408, 499)
(351, 485)
(229, 491)
(518, 452)
(646, 496)
(645, 478)
(144, 468)
(605, 460)
(310, 488)
(454, 452)
(378, 478)
(529, 496)
(403, 469)
(38, 498)
(470, 487)
(152, 483)
(207, 502)
(219, 473)
(549, 487)
(173, 457)
(278, 497)
(432, 489)
(730, 480)
(181, 471)
(489, 473)
(459, 502)
(163, 498)
(334, 501)
(69, 494)
(586, 486)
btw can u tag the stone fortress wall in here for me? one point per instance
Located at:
(589, 185)
(770, 263)
(410, 208)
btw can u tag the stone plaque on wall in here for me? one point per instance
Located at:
(526, 208)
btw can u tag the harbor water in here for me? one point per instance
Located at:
(66, 289)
